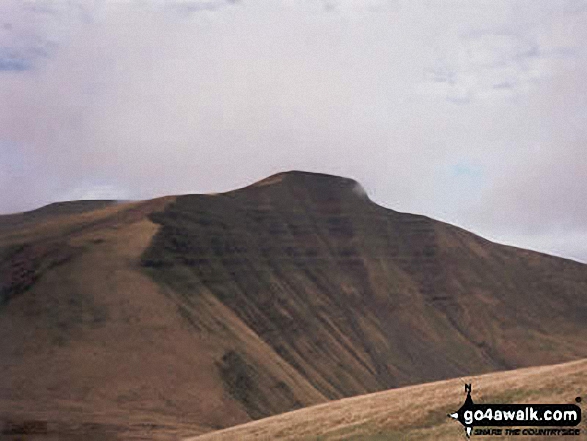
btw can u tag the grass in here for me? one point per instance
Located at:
(417, 413)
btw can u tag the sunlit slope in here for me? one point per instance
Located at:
(418, 412)
(90, 344)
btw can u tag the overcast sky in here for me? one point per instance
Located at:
(473, 112)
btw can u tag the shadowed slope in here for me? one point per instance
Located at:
(358, 298)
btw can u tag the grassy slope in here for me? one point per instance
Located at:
(267, 299)
(417, 412)
(88, 345)
(91, 344)
(357, 298)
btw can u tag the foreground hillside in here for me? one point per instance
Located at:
(418, 412)
(184, 315)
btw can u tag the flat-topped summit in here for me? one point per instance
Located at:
(312, 187)
(310, 179)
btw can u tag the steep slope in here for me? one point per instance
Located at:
(418, 412)
(359, 298)
(182, 315)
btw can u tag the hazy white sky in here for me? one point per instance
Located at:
(469, 111)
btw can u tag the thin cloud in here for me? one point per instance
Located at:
(23, 58)
(195, 6)
(94, 191)
(23, 43)
(13, 60)
(486, 62)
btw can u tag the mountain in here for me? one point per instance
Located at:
(419, 412)
(182, 315)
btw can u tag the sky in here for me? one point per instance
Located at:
(473, 112)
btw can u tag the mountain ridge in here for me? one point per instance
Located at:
(206, 311)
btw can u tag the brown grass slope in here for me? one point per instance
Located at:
(89, 344)
(419, 412)
(92, 346)
(182, 315)
(358, 298)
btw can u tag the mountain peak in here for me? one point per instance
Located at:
(305, 176)
(317, 183)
